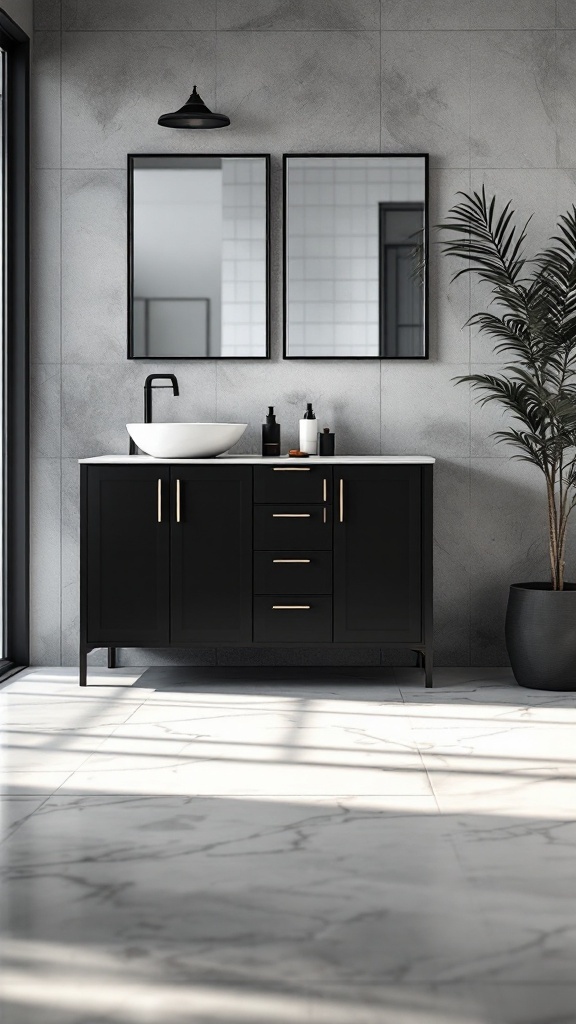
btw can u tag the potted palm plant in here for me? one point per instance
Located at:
(532, 320)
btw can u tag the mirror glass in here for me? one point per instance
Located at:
(198, 242)
(355, 245)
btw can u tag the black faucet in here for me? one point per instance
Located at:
(148, 385)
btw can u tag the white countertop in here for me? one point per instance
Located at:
(259, 460)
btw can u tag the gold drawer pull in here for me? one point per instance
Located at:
(324, 489)
(291, 515)
(159, 501)
(291, 607)
(291, 469)
(291, 561)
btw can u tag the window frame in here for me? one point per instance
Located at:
(16, 358)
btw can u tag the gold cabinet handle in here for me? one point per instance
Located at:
(291, 515)
(324, 489)
(291, 561)
(325, 516)
(291, 607)
(159, 501)
(291, 469)
(341, 501)
(177, 501)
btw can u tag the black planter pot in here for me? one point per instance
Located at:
(541, 635)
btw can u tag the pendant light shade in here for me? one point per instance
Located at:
(194, 114)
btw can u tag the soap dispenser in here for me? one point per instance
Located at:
(308, 432)
(271, 434)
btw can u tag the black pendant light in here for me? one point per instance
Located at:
(194, 114)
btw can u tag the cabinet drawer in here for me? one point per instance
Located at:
(292, 572)
(291, 527)
(297, 619)
(293, 483)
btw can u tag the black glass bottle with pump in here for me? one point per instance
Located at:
(271, 434)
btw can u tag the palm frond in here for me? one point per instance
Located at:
(532, 324)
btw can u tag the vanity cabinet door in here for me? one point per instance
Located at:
(125, 538)
(377, 554)
(211, 554)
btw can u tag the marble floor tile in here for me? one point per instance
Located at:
(274, 846)
(238, 1004)
(303, 878)
(37, 749)
(14, 811)
(24, 783)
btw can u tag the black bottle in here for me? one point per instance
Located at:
(326, 442)
(270, 434)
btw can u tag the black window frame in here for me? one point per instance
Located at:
(16, 377)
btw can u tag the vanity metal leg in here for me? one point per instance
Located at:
(112, 657)
(83, 665)
(428, 667)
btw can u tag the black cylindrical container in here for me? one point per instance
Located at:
(326, 442)
(541, 635)
(271, 434)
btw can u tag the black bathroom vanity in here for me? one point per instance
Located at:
(244, 551)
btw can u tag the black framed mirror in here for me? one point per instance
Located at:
(198, 256)
(355, 256)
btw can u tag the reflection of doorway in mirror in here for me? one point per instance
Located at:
(401, 250)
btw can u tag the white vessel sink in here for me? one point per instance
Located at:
(185, 440)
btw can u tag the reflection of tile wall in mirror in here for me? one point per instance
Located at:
(335, 294)
(199, 237)
(243, 258)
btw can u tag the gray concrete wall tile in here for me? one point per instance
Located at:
(421, 14)
(565, 56)
(509, 544)
(514, 14)
(45, 569)
(47, 15)
(314, 92)
(565, 14)
(513, 99)
(45, 269)
(116, 86)
(452, 582)
(70, 607)
(423, 411)
(426, 95)
(302, 15)
(45, 121)
(109, 15)
(45, 426)
(449, 301)
(94, 275)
